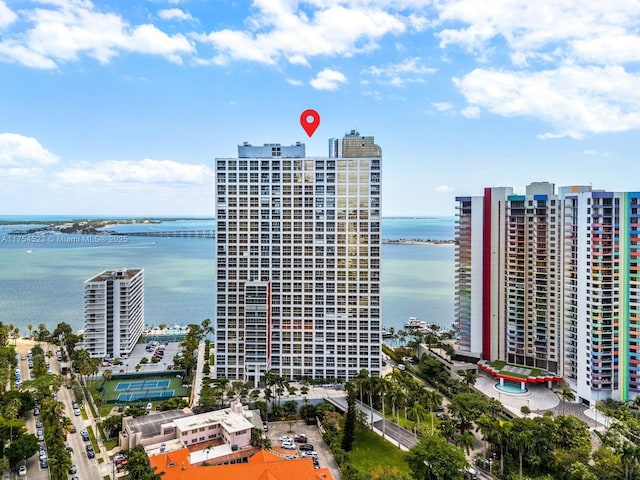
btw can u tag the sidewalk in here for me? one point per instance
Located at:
(538, 397)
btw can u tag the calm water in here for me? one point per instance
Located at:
(41, 278)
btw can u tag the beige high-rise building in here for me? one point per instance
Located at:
(298, 250)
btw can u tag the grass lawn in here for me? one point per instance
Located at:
(371, 453)
(500, 364)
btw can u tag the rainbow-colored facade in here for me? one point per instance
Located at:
(551, 280)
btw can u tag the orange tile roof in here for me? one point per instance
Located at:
(261, 466)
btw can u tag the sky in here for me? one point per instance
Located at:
(121, 107)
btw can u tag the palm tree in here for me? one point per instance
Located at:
(495, 407)
(469, 378)
(485, 425)
(402, 336)
(30, 328)
(566, 394)
(361, 379)
(11, 411)
(417, 413)
(59, 465)
(282, 383)
(433, 400)
(521, 438)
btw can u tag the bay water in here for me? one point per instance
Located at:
(41, 276)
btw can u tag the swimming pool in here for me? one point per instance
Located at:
(511, 388)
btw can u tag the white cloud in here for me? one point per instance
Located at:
(398, 74)
(174, 14)
(294, 82)
(328, 79)
(570, 56)
(544, 26)
(297, 31)
(445, 189)
(442, 106)
(149, 39)
(589, 152)
(146, 171)
(470, 112)
(17, 151)
(68, 29)
(7, 16)
(575, 100)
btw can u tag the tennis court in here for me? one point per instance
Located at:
(142, 385)
(146, 395)
(137, 388)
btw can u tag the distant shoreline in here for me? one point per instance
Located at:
(419, 241)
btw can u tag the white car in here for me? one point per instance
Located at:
(288, 445)
(286, 439)
(76, 412)
(22, 471)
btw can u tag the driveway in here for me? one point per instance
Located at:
(314, 437)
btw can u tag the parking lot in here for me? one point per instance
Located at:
(314, 437)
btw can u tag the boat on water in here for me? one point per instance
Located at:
(387, 334)
(414, 324)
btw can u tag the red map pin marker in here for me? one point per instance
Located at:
(310, 121)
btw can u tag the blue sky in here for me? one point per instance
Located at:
(118, 107)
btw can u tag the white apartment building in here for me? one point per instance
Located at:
(298, 250)
(113, 312)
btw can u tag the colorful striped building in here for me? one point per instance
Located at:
(550, 280)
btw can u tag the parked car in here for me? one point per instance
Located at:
(300, 438)
(90, 452)
(44, 463)
(306, 447)
(286, 438)
(22, 470)
(76, 412)
(288, 445)
(72, 470)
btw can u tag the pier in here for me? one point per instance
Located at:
(170, 234)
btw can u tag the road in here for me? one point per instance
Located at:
(86, 468)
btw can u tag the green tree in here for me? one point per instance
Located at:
(112, 425)
(349, 433)
(607, 465)
(466, 408)
(10, 412)
(433, 458)
(417, 413)
(138, 465)
(21, 448)
(59, 465)
(579, 471)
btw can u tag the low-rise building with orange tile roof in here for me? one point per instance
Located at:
(219, 436)
(261, 466)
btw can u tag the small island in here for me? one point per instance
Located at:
(80, 226)
(418, 241)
